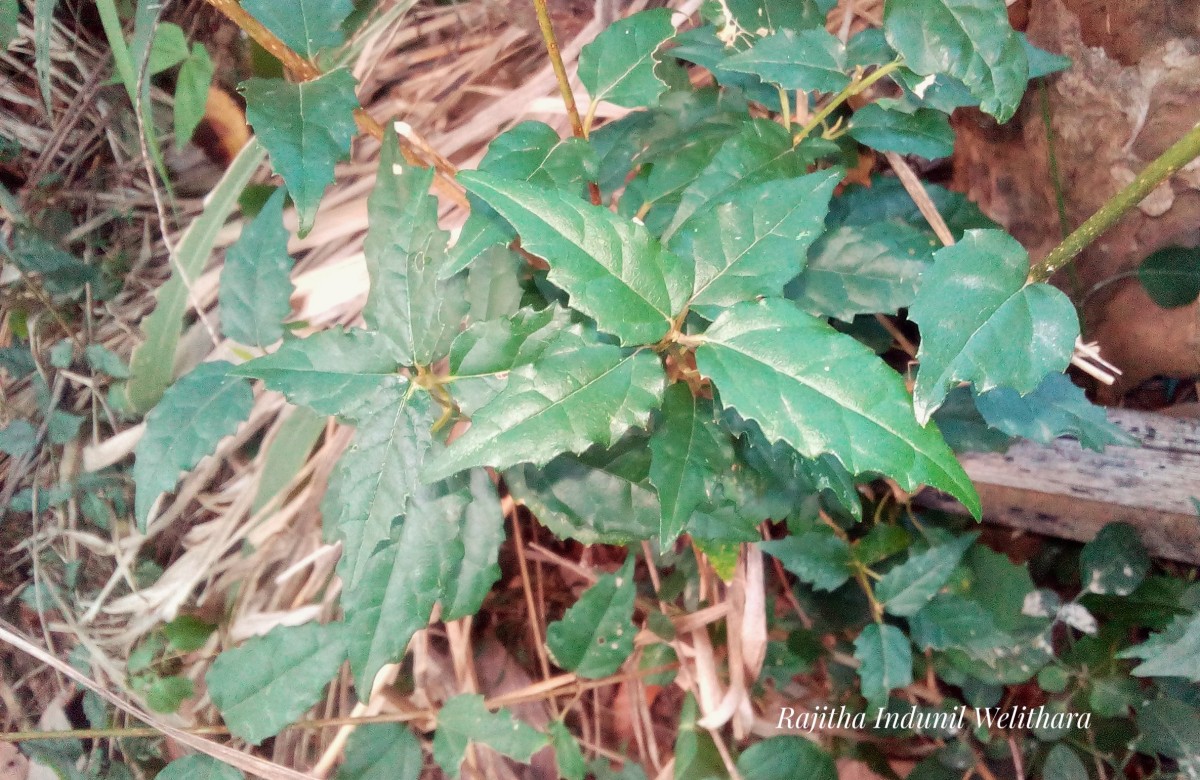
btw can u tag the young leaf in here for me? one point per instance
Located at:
(409, 301)
(199, 767)
(1058, 407)
(306, 26)
(255, 289)
(886, 661)
(464, 719)
(374, 478)
(306, 128)
(822, 391)
(1115, 561)
(862, 269)
(333, 372)
(570, 399)
(687, 450)
(191, 93)
(193, 416)
(818, 557)
(1174, 652)
(910, 586)
(886, 125)
(382, 751)
(756, 243)
(970, 40)
(785, 758)
(595, 636)
(980, 322)
(618, 66)
(1171, 276)
(272, 680)
(443, 549)
(808, 60)
(613, 269)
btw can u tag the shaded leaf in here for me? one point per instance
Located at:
(104, 360)
(785, 758)
(61, 272)
(763, 17)
(567, 755)
(688, 450)
(757, 242)
(193, 416)
(1174, 652)
(595, 636)
(198, 767)
(980, 321)
(1058, 407)
(818, 557)
(613, 269)
(1171, 276)
(970, 40)
(271, 680)
(306, 26)
(808, 60)
(1169, 727)
(909, 586)
(618, 66)
(191, 93)
(255, 285)
(442, 548)
(823, 392)
(951, 621)
(885, 659)
(1115, 561)
(382, 751)
(1063, 763)
(306, 128)
(464, 719)
(18, 438)
(405, 250)
(885, 125)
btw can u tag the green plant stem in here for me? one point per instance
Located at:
(1169, 162)
(856, 86)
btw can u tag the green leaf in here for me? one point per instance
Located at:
(306, 26)
(909, 586)
(1171, 276)
(43, 25)
(886, 200)
(763, 17)
(1169, 727)
(823, 392)
(786, 758)
(104, 360)
(1058, 407)
(981, 322)
(18, 438)
(970, 40)
(62, 426)
(618, 66)
(62, 273)
(881, 542)
(494, 284)
(333, 372)
(862, 269)
(374, 478)
(595, 636)
(756, 243)
(950, 621)
(885, 125)
(574, 396)
(885, 659)
(688, 451)
(818, 557)
(10, 13)
(613, 269)
(533, 152)
(409, 301)
(191, 93)
(696, 755)
(166, 694)
(191, 419)
(271, 680)
(963, 426)
(464, 719)
(255, 285)
(187, 633)
(286, 453)
(198, 767)
(1041, 62)
(382, 751)
(1063, 764)
(442, 548)
(567, 755)
(808, 60)
(168, 49)
(1170, 653)
(600, 498)
(1115, 561)
(306, 128)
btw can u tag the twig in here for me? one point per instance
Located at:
(1167, 164)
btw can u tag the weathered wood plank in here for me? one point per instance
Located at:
(1068, 492)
